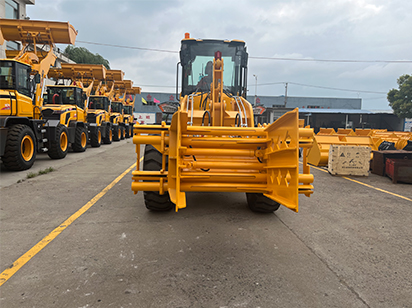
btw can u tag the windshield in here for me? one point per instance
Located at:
(101, 103)
(117, 107)
(60, 96)
(197, 61)
(128, 109)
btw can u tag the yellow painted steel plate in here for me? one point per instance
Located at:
(116, 75)
(42, 31)
(96, 71)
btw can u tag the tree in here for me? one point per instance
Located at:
(401, 100)
(82, 55)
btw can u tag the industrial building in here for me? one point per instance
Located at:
(316, 111)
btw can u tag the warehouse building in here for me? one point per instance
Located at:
(316, 111)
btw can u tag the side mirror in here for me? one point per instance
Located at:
(37, 78)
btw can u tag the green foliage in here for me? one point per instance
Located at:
(401, 100)
(31, 175)
(82, 55)
(45, 171)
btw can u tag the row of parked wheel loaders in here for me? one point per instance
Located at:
(87, 104)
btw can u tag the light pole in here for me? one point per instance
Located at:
(255, 88)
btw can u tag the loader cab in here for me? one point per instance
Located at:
(128, 109)
(65, 95)
(15, 76)
(99, 102)
(196, 57)
(117, 107)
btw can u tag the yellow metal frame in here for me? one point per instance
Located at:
(212, 145)
(238, 159)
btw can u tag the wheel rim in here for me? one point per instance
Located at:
(99, 137)
(84, 140)
(63, 142)
(119, 133)
(110, 135)
(27, 148)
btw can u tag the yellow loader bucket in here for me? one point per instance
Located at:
(226, 159)
(326, 131)
(96, 71)
(37, 31)
(114, 75)
(318, 155)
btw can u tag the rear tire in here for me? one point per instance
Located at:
(59, 147)
(259, 203)
(96, 138)
(116, 133)
(154, 201)
(109, 135)
(80, 140)
(20, 150)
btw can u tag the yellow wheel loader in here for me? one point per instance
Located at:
(128, 107)
(100, 105)
(22, 76)
(212, 144)
(65, 106)
(117, 107)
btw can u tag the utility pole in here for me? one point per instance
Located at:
(255, 88)
(286, 93)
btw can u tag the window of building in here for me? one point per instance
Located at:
(12, 12)
(12, 45)
(12, 9)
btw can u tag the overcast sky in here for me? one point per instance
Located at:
(360, 30)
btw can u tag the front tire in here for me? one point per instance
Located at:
(20, 150)
(96, 138)
(259, 203)
(109, 135)
(129, 131)
(122, 132)
(116, 133)
(59, 147)
(153, 200)
(80, 139)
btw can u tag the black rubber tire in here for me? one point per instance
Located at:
(96, 138)
(259, 203)
(122, 132)
(19, 138)
(80, 139)
(129, 130)
(116, 133)
(109, 135)
(59, 147)
(153, 200)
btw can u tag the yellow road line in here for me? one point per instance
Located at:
(367, 185)
(8, 273)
